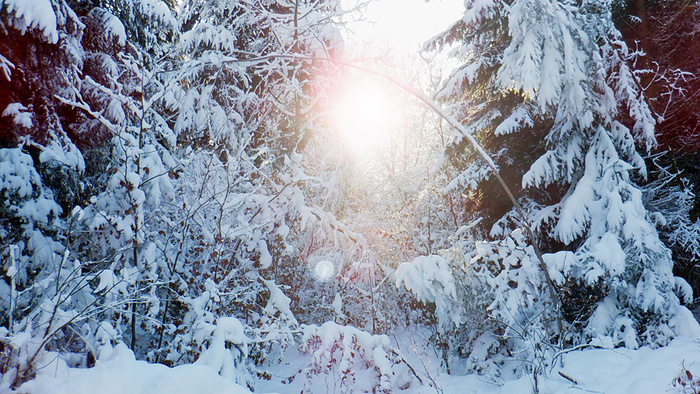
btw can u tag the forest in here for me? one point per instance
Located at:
(181, 204)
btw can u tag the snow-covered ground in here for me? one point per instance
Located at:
(122, 373)
(602, 371)
(593, 371)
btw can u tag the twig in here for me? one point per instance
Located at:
(570, 379)
(413, 371)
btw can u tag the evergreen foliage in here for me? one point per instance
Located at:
(555, 77)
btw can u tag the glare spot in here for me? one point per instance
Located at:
(365, 115)
(324, 270)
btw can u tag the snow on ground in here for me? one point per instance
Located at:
(630, 371)
(607, 371)
(122, 374)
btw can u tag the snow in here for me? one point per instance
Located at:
(278, 301)
(337, 304)
(216, 357)
(608, 253)
(66, 154)
(121, 373)
(559, 264)
(11, 271)
(16, 172)
(107, 281)
(684, 290)
(17, 175)
(644, 370)
(627, 371)
(546, 60)
(518, 119)
(265, 257)
(20, 114)
(430, 279)
(621, 370)
(351, 358)
(158, 10)
(6, 67)
(34, 14)
(112, 25)
(326, 358)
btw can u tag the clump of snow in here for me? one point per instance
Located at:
(356, 361)
(16, 172)
(6, 67)
(338, 305)
(517, 120)
(67, 154)
(106, 336)
(278, 301)
(265, 256)
(430, 279)
(217, 356)
(33, 14)
(683, 290)
(20, 181)
(111, 24)
(107, 280)
(11, 271)
(158, 10)
(607, 256)
(684, 324)
(559, 264)
(20, 115)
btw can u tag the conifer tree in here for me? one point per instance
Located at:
(547, 87)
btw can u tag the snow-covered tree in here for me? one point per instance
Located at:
(194, 212)
(546, 86)
(243, 92)
(43, 59)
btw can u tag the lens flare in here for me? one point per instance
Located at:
(324, 270)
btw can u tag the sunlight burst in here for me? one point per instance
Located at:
(365, 115)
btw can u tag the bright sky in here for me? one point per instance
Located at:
(366, 113)
(405, 23)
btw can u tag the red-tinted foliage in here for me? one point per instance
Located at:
(685, 382)
(669, 34)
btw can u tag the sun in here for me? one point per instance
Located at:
(365, 115)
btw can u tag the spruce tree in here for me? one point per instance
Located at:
(547, 87)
